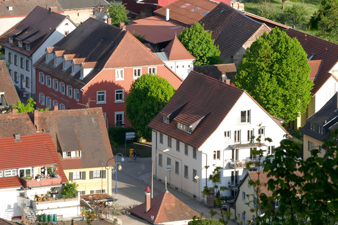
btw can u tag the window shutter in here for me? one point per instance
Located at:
(91, 192)
(103, 191)
(103, 173)
(83, 175)
(91, 174)
(70, 175)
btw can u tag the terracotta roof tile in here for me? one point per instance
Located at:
(268, 22)
(187, 12)
(71, 163)
(87, 65)
(60, 53)
(6, 85)
(217, 70)
(315, 66)
(165, 207)
(10, 182)
(176, 51)
(11, 123)
(323, 50)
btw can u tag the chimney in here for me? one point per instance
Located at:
(122, 26)
(109, 21)
(52, 9)
(223, 78)
(147, 199)
(167, 14)
(56, 108)
(227, 81)
(36, 119)
(17, 138)
(14, 110)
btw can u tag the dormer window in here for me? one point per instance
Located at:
(20, 44)
(64, 65)
(10, 40)
(73, 69)
(55, 61)
(47, 57)
(184, 128)
(165, 119)
(317, 128)
(28, 47)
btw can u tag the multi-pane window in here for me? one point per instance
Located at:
(119, 119)
(194, 175)
(69, 91)
(137, 73)
(237, 134)
(151, 70)
(55, 84)
(243, 195)
(245, 116)
(27, 65)
(101, 97)
(310, 145)
(186, 149)
(194, 153)
(243, 217)
(41, 78)
(97, 174)
(48, 102)
(250, 135)
(161, 138)
(1, 173)
(160, 160)
(42, 99)
(183, 127)
(227, 134)
(186, 171)
(10, 173)
(62, 88)
(28, 47)
(217, 155)
(119, 74)
(62, 106)
(261, 131)
(119, 95)
(177, 145)
(48, 81)
(77, 175)
(177, 167)
(27, 82)
(169, 141)
(76, 94)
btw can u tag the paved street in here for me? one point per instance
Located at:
(132, 182)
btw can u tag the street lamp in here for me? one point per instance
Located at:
(119, 168)
(152, 172)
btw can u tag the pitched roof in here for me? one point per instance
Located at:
(187, 12)
(12, 123)
(176, 51)
(96, 41)
(34, 30)
(198, 92)
(24, 7)
(217, 70)
(230, 29)
(32, 150)
(315, 66)
(268, 22)
(10, 182)
(78, 129)
(322, 50)
(7, 86)
(83, 4)
(155, 29)
(165, 207)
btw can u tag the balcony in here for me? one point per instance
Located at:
(242, 163)
(41, 182)
(245, 144)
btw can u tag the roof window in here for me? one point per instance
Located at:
(195, 9)
(166, 119)
(28, 47)
(10, 40)
(311, 56)
(184, 128)
(185, 5)
(19, 44)
(205, 13)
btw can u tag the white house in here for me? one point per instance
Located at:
(177, 58)
(209, 122)
(27, 43)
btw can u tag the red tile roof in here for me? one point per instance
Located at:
(11, 123)
(33, 150)
(187, 12)
(216, 71)
(165, 207)
(7, 86)
(176, 51)
(155, 29)
(268, 22)
(10, 182)
(323, 50)
(315, 66)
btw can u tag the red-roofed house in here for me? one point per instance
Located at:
(164, 208)
(323, 60)
(30, 169)
(96, 64)
(177, 58)
(208, 122)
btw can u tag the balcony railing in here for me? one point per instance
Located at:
(242, 163)
(41, 182)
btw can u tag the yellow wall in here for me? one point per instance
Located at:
(301, 120)
(93, 184)
(317, 143)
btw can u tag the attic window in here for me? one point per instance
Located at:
(185, 5)
(10, 40)
(28, 47)
(19, 44)
(165, 119)
(311, 56)
(184, 128)
(195, 9)
(205, 13)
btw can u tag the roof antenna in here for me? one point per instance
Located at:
(87, 105)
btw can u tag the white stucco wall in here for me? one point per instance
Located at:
(8, 204)
(181, 67)
(8, 22)
(325, 93)
(216, 141)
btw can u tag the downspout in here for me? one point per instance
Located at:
(82, 97)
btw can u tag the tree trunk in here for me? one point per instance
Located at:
(283, 4)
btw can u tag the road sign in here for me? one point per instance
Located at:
(130, 135)
(168, 167)
(128, 139)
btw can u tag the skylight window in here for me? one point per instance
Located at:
(185, 5)
(205, 13)
(311, 56)
(195, 9)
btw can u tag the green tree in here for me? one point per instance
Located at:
(275, 72)
(208, 221)
(328, 24)
(118, 13)
(29, 107)
(70, 189)
(296, 14)
(148, 95)
(200, 44)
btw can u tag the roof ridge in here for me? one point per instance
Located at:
(159, 208)
(291, 29)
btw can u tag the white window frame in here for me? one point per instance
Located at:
(41, 78)
(137, 75)
(76, 94)
(1, 173)
(118, 75)
(55, 103)
(10, 173)
(261, 131)
(48, 102)
(119, 113)
(95, 172)
(217, 155)
(62, 86)
(48, 78)
(77, 173)
(227, 134)
(152, 70)
(62, 106)
(55, 84)
(243, 217)
(119, 92)
(243, 195)
(69, 91)
(247, 116)
(42, 99)
(104, 101)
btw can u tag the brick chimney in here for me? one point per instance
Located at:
(227, 81)
(147, 199)
(14, 110)
(122, 26)
(109, 21)
(56, 107)
(36, 119)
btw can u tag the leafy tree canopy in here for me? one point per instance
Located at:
(296, 14)
(208, 221)
(275, 72)
(118, 13)
(200, 44)
(148, 95)
(70, 189)
(29, 107)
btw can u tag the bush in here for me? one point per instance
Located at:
(199, 221)
(117, 135)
